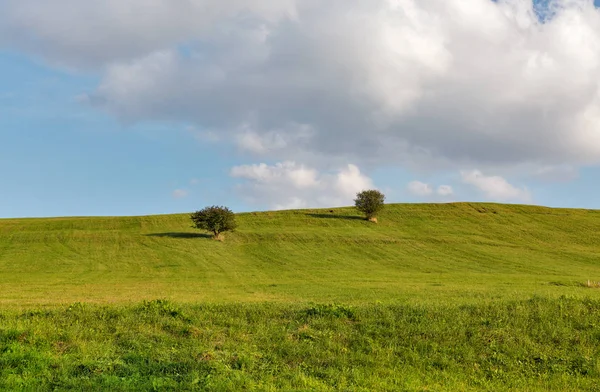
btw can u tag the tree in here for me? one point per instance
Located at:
(370, 202)
(216, 219)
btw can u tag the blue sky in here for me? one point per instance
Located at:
(60, 157)
(288, 106)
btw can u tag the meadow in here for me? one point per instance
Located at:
(463, 296)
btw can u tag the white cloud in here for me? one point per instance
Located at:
(445, 190)
(349, 181)
(93, 33)
(288, 173)
(445, 83)
(180, 194)
(291, 137)
(419, 188)
(260, 144)
(495, 187)
(288, 185)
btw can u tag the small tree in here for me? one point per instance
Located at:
(369, 202)
(216, 219)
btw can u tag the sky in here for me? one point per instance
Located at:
(135, 107)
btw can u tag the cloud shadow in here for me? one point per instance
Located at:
(180, 235)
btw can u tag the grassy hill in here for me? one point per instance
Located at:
(417, 253)
(454, 297)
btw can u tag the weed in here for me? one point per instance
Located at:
(162, 307)
(331, 310)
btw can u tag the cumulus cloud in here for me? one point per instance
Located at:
(274, 141)
(288, 185)
(495, 187)
(419, 188)
(93, 33)
(444, 83)
(180, 194)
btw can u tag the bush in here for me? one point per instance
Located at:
(216, 219)
(370, 202)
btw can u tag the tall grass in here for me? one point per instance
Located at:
(535, 344)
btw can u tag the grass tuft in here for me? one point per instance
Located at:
(331, 310)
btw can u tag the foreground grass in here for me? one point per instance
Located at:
(435, 297)
(424, 253)
(535, 345)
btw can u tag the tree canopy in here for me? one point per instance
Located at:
(370, 203)
(215, 219)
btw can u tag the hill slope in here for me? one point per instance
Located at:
(418, 252)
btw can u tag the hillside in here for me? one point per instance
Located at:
(455, 297)
(418, 252)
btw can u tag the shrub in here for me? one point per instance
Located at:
(370, 202)
(216, 219)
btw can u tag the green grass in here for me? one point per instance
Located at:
(533, 345)
(417, 253)
(434, 297)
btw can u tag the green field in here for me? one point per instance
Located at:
(430, 253)
(433, 297)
